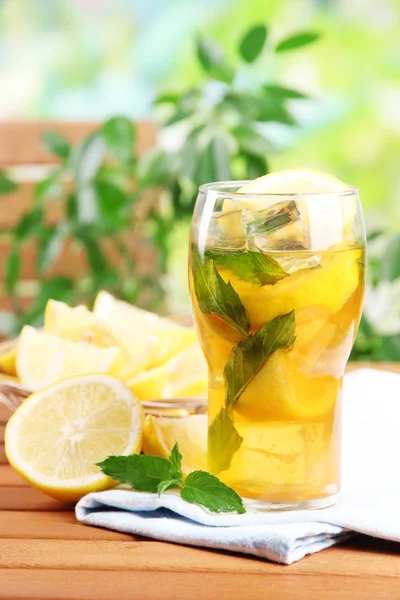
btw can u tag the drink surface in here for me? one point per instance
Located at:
(277, 328)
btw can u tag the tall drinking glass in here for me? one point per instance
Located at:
(277, 285)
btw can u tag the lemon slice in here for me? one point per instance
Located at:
(326, 217)
(43, 359)
(280, 391)
(7, 362)
(78, 324)
(161, 433)
(142, 334)
(329, 287)
(183, 375)
(56, 436)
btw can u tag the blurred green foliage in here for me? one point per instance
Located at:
(100, 180)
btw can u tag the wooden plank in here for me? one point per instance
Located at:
(2, 429)
(20, 143)
(53, 526)
(27, 498)
(8, 477)
(3, 458)
(145, 555)
(4, 413)
(17, 203)
(43, 584)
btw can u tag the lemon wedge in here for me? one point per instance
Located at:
(182, 375)
(161, 433)
(43, 359)
(142, 334)
(77, 323)
(280, 391)
(56, 436)
(7, 363)
(326, 217)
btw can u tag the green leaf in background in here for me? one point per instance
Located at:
(253, 267)
(142, 472)
(255, 166)
(298, 40)
(216, 297)
(12, 269)
(249, 356)
(97, 260)
(283, 93)
(119, 137)
(176, 458)
(250, 140)
(7, 185)
(390, 265)
(212, 162)
(205, 489)
(212, 60)
(252, 43)
(87, 157)
(56, 143)
(168, 98)
(223, 442)
(51, 243)
(49, 187)
(113, 204)
(30, 224)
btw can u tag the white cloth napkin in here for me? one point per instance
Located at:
(369, 503)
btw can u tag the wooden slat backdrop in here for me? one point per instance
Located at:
(46, 554)
(21, 146)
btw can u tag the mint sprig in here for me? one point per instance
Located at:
(252, 267)
(215, 296)
(223, 441)
(155, 474)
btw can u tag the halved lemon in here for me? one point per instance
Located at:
(280, 391)
(161, 433)
(56, 436)
(142, 334)
(183, 375)
(43, 359)
(326, 217)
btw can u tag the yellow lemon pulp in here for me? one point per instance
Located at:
(161, 433)
(142, 334)
(183, 375)
(43, 359)
(56, 436)
(7, 363)
(281, 391)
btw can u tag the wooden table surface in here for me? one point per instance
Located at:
(45, 553)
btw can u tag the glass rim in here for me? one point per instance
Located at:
(221, 189)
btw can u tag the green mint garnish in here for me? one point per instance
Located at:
(215, 296)
(249, 356)
(206, 489)
(155, 474)
(223, 441)
(253, 267)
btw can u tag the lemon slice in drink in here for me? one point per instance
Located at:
(43, 359)
(56, 436)
(326, 217)
(161, 433)
(182, 375)
(142, 334)
(280, 391)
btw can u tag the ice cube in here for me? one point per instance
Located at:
(223, 231)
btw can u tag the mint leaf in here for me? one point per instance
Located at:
(142, 472)
(168, 485)
(223, 442)
(216, 297)
(207, 490)
(176, 458)
(361, 264)
(253, 267)
(249, 356)
(270, 219)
